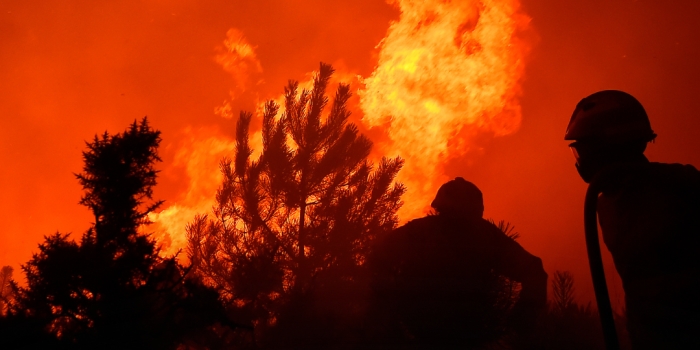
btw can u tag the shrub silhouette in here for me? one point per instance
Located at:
(111, 290)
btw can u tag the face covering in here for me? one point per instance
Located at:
(587, 172)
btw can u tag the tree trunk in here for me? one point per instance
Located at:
(301, 277)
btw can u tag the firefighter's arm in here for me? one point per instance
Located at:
(527, 269)
(513, 261)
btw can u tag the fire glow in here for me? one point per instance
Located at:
(447, 71)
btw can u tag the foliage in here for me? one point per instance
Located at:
(307, 208)
(6, 294)
(568, 324)
(507, 229)
(563, 289)
(111, 289)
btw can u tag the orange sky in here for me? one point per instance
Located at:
(70, 70)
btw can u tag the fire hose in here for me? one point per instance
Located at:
(595, 261)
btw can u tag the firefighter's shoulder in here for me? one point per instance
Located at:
(415, 229)
(676, 172)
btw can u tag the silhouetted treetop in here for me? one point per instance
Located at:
(309, 204)
(112, 290)
(119, 175)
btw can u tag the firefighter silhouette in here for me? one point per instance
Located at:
(451, 279)
(648, 213)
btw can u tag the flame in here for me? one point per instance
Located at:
(200, 152)
(238, 58)
(447, 71)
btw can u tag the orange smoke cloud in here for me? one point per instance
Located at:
(447, 70)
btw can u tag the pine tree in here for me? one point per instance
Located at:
(309, 206)
(566, 324)
(563, 288)
(112, 289)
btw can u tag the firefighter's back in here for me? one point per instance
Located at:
(649, 218)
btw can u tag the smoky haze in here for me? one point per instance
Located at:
(74, 69)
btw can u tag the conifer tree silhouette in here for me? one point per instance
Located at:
(567, 324)
(111, 290)
(563, 289)
(308, 207)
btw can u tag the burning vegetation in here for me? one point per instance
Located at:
(448, 74)
(278, 238)
(306, 210)
(284, 260)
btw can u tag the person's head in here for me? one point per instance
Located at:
(607, 127)
(459, 198)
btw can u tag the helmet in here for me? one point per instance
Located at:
(610, 116)
(459, 197)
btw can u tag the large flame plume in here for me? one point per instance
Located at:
(447, 70)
